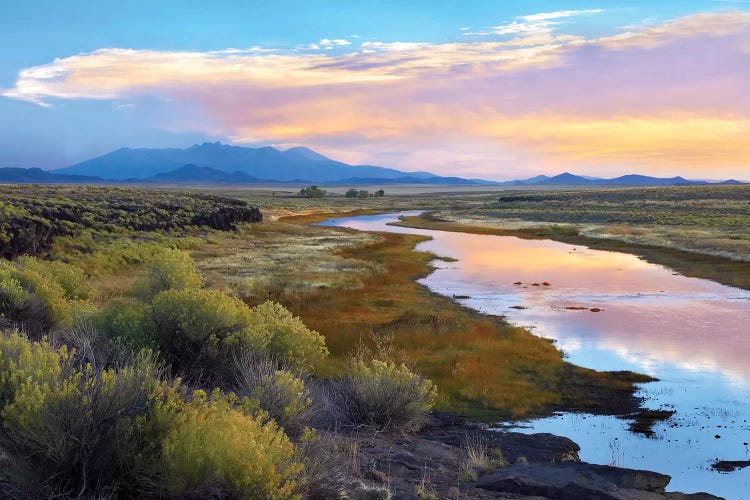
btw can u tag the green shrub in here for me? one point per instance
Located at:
(57, 309)
(12, 296)
(291, 342)
(208, 329)
(277, 392)
(71, 279)
(127, 322)
(384, 395)
(33, 299)
(204, 329)
(168, 270)
(215, 447)
(65, 428)
(22, 361)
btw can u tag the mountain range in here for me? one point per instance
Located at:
(266, 163)
(216, 163)
(568, 179)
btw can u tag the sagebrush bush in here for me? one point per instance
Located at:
(204, 330)
(327, 474)
(32, 299)
(128, 323)
(72, 279)
(23, 361)
(215, 449)
(383, 395)
(291, 342)
(41, 295)
(278, 392)
(65, 426)
(207, 330)
(168, 270)
(12, 296)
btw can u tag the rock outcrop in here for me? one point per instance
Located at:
(435, 463)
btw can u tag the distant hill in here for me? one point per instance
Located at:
(266, 163)
(568, 179)
(193, 174)
(11, 175)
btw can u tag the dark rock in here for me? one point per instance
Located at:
(569, 480)
(226, 218)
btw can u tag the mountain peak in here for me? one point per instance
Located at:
(207, 145)
(307, 153)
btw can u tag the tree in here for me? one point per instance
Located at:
(379, 193)
(363, 193)
(352, 193)
(312, 192)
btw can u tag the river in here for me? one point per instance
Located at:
(615, 311)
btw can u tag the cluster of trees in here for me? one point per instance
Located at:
(32, 217)
(363, 193)
(175, 390)
(312, 192)
(316, 192)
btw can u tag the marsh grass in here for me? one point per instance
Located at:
(479, 457)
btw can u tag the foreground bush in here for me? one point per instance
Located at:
(383, 395)
(127, 323)
(32, 294)
(70, 430)
(206, 330)
(216, 450)
(290, 342)
(72, 279)
(277, 392)
(64, 428)
(168, 270)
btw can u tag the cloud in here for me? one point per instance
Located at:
(672, 97)
(546, 16)
(340, 42)
(543, 22)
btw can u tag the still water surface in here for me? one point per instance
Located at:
(692, 334)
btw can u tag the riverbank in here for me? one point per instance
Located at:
(720, 269)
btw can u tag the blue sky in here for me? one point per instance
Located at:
(76, 125)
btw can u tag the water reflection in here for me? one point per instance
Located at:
(691, 333)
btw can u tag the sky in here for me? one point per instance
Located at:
(490, 89)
